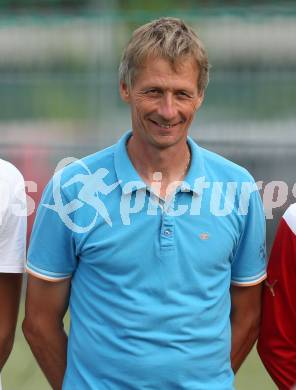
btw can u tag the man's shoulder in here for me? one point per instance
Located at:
(290, 217)
(102, 159)
(9, 173)
(90, 164)
(224, 169)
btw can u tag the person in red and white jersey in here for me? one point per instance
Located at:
(13, 218)
(277, 339)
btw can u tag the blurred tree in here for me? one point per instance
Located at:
(131, 5)
(155, 5)
(43, 4)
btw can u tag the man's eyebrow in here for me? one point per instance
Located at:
(147, 88)
(186, 90)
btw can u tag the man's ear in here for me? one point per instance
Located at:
(124, 92)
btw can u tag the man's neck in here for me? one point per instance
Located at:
(173, 163)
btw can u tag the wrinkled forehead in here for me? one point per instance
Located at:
(177, 64)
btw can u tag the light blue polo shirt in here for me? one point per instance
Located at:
(150, 299)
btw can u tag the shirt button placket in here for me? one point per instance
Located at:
(167, 239)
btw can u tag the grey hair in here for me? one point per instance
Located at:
(168, 38)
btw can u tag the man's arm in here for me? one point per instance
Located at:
(43, 327)
(245, 321)
(10, 289)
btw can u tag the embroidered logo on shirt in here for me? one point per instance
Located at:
(204, 236)
(271, 287)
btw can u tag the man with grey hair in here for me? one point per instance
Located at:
(164, 286)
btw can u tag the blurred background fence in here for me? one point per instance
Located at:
(59, 85)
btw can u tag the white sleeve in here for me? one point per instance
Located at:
(13, 222)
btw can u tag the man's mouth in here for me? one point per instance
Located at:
(165, 125)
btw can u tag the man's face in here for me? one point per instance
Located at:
(163, 101)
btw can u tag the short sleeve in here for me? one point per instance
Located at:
(51, 254)
(249, 262)
(13, 222)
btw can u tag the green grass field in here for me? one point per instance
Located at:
(22, 373)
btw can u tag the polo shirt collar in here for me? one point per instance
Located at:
(196, 170)
(126, 172)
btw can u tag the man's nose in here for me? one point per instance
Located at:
(167, 107)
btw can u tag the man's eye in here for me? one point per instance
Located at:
(153, 91)
(184, 94)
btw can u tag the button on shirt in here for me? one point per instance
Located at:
(150, 299)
